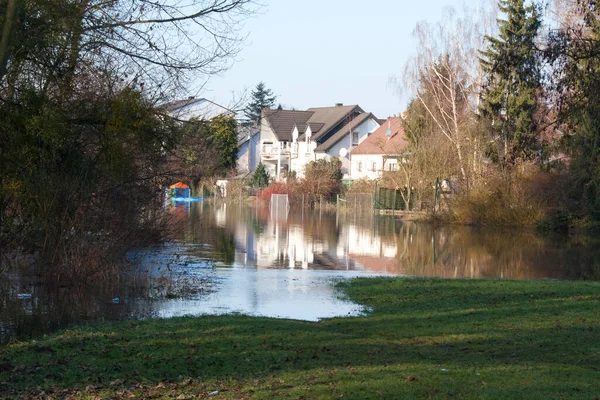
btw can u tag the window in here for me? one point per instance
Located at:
(360, 166)
(355, 138)
(374, 166)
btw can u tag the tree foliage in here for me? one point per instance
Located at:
(225, 139)
(260, 178)
(510, 95)
(262, 98)
(83, 149)
(574, 53)
(445, 80)
(323, 177)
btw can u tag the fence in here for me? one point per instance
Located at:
(390, 199)
(357, 201)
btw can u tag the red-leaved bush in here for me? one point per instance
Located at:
(274, 188)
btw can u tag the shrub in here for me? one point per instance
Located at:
(274, 188)
(503, 202)
(362, 185)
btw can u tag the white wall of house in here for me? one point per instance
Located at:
(243, 157)
(306, 154)
(366, 166)
(362, 131)
(267, 148)
(248, 154)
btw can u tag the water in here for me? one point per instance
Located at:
(231, 258)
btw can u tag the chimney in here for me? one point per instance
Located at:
(191, 98)
(339, 104)
(388, 131)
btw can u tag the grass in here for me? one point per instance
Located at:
(440, 339)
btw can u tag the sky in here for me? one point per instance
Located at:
(316, 53)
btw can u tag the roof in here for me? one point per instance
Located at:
(347, 129)
(179, 185)
(246, 132)
(320, 119)
(378, 142)
(195, 108)
(330, 117)
(283, 121)
(243, 139)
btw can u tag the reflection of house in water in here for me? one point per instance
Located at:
(370, 250)
(386, 245)
(306, 241)
(296, 243)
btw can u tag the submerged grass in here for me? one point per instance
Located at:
(424, 339)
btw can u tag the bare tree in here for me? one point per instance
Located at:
(162, 44)
(445, 77)
(419, 165)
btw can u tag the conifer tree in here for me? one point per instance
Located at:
(509, 98)
(574, 53)
(261, 98)
(260, 177)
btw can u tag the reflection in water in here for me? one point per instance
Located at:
(230, 258)
(385, 244)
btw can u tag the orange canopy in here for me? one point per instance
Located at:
(179, 185)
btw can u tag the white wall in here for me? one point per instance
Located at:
(243, 157)
(267, 135)
(248, 154)
(367, 161)
(306, 154)
(364, 130)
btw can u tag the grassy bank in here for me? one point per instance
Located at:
(424, 339)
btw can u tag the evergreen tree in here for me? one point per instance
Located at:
(509, 98)
(224, 137)
(574, 54)
(261, 98)
(260, 177)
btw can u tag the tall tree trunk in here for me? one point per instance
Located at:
(7, 29)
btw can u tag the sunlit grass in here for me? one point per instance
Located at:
(423, 339)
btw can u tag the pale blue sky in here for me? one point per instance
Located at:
(315, 53)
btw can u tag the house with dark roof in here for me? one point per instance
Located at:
(381, 151)
(290, 139)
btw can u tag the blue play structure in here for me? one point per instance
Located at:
(180, 192)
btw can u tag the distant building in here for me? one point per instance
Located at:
(290, 139)
(381, 151)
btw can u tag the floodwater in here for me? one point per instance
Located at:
(227, 258)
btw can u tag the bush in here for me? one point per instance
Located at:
(274, 188)
(362, 185)
(502, 202)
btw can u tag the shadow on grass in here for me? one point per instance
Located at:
(533, 332)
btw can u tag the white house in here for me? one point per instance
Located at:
(380, 151)
(290, 139)
(351, 135)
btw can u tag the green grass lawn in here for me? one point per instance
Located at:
(441, 339)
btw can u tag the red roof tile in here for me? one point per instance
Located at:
(379, 143)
